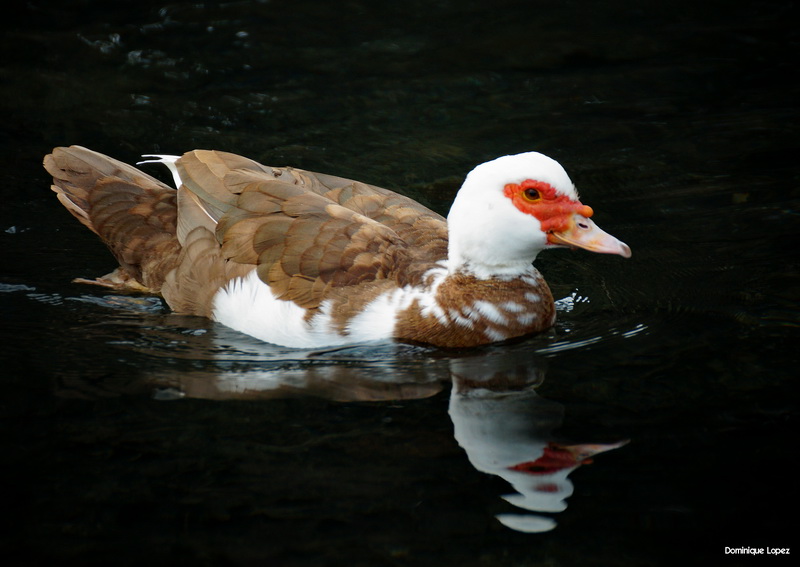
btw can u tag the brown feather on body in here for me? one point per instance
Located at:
(132, 212)
(305, 233)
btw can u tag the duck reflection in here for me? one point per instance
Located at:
(506, 428)
(499, 419)
(381, 371)
(331, 382)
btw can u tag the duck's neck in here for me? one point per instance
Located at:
(484, 255)
(492, 270)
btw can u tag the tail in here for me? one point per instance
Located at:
(132, 212)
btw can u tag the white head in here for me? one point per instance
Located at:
(511, 208)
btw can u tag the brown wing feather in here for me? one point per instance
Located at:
(200, 271)
(204, 172)
(133, 213)
(309, 235)
(307, 232)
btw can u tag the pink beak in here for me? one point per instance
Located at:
(583, 233)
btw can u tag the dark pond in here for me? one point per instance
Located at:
(134, 436)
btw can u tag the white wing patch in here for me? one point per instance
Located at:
(167, 160)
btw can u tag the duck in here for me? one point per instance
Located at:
(309, 260)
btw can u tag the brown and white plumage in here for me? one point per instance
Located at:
(306, 260)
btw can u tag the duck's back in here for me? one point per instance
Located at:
(306, 235)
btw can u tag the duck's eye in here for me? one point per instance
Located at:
(531, 194)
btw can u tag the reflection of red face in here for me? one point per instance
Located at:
(553, 459)
(542, 201)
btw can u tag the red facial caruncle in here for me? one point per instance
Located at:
(542, 201)
(565, 221)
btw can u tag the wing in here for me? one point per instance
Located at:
(133, 213)
(306, 232)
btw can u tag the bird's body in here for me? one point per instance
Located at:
(306, 260)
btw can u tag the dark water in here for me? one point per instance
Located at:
(131, 435)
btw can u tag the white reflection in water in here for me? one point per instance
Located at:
(506, 428)
(503, 425)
